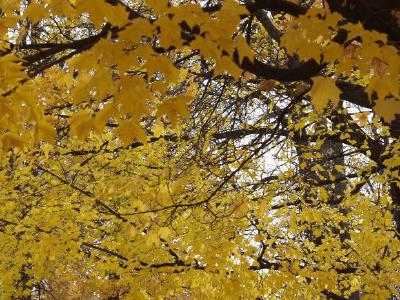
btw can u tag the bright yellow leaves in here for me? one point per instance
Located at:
(146, 222)
(383, 86)
(197, 15)
(323, 90)
(230, 14)
(164, 65)
(213, 33)
(165, 233)
(357, 30)
(130, 103)
(170, 32)
(62, 8)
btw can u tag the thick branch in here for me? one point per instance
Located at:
(268, 24)
(303, 72)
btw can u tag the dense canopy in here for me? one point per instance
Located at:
(187, 149)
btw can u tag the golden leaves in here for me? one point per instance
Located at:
(164, 65)
(357, 30)
(11, 72)
(170, 32)
(309, 36)
(230, 14)
(324, 90)
(165, 233)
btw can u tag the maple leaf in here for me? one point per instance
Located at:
(129, 130)
(388, 109)
(174, 107)
(244, 49)
(45, 131)
(36, 12)
(324, 90)
(81, 124)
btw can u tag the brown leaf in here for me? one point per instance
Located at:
(267, 85)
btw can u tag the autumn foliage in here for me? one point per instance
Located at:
(199, 149)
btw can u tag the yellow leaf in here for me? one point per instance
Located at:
(158, 129)
(244, 49)
(170, 32)
(80, 124)
(164, 233)
(340, 168)
(226, 64)
(11, 140)
(174, 107)
(36, 12)
(164, 65)
(138, 28)
(3, 176)
(230, 14)
(152, 238)
(158, 5)
(317, 232)
(45, 131)
(323, 194)
(323, 90)
(133, 96)
(387, 108)
(384, 86)
(129, 130)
